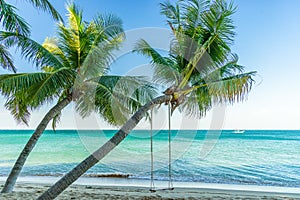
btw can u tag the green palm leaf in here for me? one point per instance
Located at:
(108, 26)
(165, 69)
(231, 89)
(50, 87)
(6, 60)
(36, 88)
(52, 45)
(30, 49)
(172, 12)
(13, 83)
(18, 108)
(115, 98)
(46, 6)
(11, 21)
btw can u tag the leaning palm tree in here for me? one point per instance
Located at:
(200, 70)
(74, 67)
(12, 22)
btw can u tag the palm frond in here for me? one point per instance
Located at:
(172, 12)
(115, 98)
(30, 49)
(66, 44)
(229, 68)
(46, 6)
(6, 60)
(18, 108)
(144, 48)
(70, 37)
(13, 83)
(50, 87)
(104, 35)
(97, 62)
(52, 45)
(231, 89)
(165, 69)
(191, 11)
(197, 103)
(108, 26)
(36, 88)
(75, 18)
(218, 20)
(11, 21)
(56, 120)
(74, 39)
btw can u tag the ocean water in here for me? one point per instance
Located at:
(262, 158)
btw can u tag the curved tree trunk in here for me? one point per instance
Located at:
(12, 178)
(100, 153)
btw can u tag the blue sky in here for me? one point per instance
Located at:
(267, 41)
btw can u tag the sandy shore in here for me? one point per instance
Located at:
(32, 191)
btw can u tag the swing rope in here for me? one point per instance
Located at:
(152, 186)
(170, 155)
(170, 184)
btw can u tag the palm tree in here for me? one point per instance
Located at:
(12, 22)
(200, 69)
(74, 67)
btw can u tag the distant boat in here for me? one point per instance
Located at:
(238, 131)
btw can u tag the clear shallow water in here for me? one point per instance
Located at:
(270, 158)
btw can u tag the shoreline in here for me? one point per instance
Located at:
(122, 188)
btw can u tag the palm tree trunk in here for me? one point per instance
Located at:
(12, 178)
(100, 153)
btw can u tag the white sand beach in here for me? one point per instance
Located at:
(26, 189)
(32, 191)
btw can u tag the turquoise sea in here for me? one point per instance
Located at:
(255, 157)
